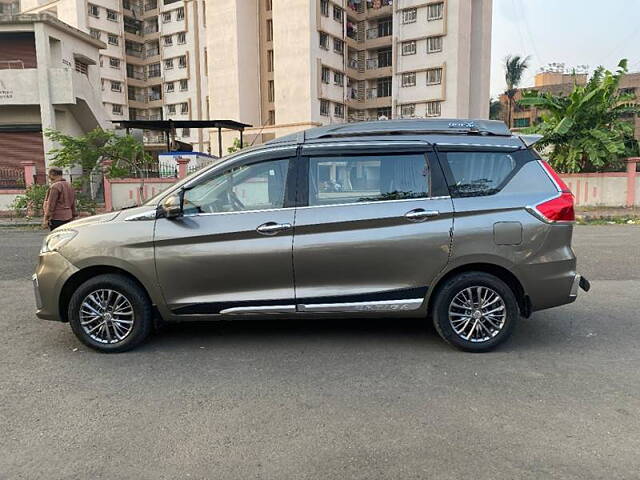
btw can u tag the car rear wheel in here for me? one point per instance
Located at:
(110, 313)
(475, 311)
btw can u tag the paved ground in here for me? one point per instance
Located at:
(343, 400)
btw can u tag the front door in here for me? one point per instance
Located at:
(375, 231)
(231, 252)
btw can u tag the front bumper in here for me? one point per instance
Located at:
(51, 274)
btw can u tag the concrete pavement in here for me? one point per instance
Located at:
(337, 399)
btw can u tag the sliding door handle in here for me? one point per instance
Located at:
(273, 228)
(420, 215)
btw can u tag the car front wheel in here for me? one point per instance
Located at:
(475, 311)
(110, 313)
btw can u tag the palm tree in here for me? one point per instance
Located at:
(514, 67)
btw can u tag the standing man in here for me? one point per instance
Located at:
(60, 203)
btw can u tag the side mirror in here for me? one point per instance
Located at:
(171, 206)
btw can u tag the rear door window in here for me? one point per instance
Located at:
(478, 173)
(367, 178)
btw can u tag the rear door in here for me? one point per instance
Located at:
(373, 229)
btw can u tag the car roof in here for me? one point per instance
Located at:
(439, 131)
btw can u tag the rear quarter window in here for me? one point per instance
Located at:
(471, 174)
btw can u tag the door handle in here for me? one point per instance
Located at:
(273, 228)
(420, 214)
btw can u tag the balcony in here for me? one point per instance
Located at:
(11, 65)
(380, 31)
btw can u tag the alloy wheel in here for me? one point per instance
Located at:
(477, 314)
(106, 316)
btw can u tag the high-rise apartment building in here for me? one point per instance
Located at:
(289, 65)
(154, 66)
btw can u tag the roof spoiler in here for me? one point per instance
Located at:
(530, 140)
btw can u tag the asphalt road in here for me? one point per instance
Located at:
(344, 400)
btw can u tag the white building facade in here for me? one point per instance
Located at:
(153, 66)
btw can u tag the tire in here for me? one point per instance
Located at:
(457, 321)
(128, 319)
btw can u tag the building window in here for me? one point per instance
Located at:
(180, 13)
(434, 44)
(168, 40)
(184, 85)
(95, 33)
(154, 70)
(409, 48)
(384, 113)
(434, 76)
(166, 17)
(184, 107)
(170, 87)
(114, 62)
(324, 108)
(182, 38)
(435, 11)
(116, 86)
(409, 79)
(182, 61)
(168, 64)
(94, 10)
(338, 110)
(269, 30)
(410, 15)
(171, 109)
(338, 78)
(269, 60)
(338, 46)
(521, 122)
(271, 91)
(408, 110)
(384, 87)
(81, 67)
(186, 132)
(326, 75)
(112, 15)
(268, 5)
(324, 41)
(337, 13)
(433, 109)
(113, 39)
(324, 7)
(271, 120)
(116, 109)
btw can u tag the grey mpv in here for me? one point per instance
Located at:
(457, 221)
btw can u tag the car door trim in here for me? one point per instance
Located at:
(380, 306)
(259, 309)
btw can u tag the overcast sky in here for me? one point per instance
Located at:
(576, 32)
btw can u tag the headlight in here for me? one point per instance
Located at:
(56, 240)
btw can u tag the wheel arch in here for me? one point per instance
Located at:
(81, 276)
(499, 271)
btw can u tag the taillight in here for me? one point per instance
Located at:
(560, 208)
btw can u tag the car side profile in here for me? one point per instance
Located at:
(456, 221)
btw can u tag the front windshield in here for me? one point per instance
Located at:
(156, 198)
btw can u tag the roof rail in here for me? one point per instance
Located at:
(411, 126)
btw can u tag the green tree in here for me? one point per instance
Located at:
(124, 153)
(495, 109)
(514, 68)
(236, 146)
(591, 129)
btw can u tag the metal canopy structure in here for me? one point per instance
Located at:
(169, 127)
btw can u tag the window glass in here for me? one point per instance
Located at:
(479, 173)
(334, 180)
(258, 186)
